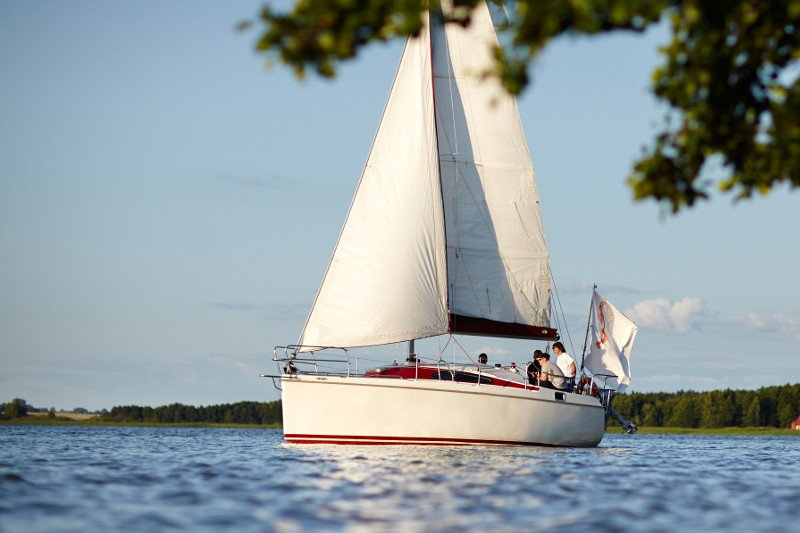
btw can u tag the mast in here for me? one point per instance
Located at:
(588, 325)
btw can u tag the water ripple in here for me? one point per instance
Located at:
(165, 479)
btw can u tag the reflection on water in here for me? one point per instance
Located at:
(145, 479)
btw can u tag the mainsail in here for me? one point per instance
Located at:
(444, 233)
(612, 340)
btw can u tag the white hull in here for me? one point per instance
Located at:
(369, 410)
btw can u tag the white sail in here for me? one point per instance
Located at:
(612, 340)
(386, 280)
(497, 261)
(444, 232)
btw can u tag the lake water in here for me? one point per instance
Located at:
(163, 479)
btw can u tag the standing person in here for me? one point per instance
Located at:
(483, 359)
(550, 376)
(566, 363)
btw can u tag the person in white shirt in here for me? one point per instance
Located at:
(565, 362)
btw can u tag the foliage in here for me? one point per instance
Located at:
(758, 431)
(773, 406)
(257, 413)
(16, 408)
(730, 76)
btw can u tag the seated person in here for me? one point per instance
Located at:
(534, 368)
(483, 359)
(532, 372)
(550, 376)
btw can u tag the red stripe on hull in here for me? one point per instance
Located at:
(293, 438)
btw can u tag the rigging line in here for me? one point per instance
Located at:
(560, 308)
(462, 349)
(588, 325)
(443, 348)
(450, 76)
(472, 285)
(451, 143)
(457, 173)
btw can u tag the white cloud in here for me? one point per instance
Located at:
(245, 367)
(293, 311)
(244, 307)
(787, 323)
(662, 315)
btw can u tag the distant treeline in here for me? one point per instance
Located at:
(258, 413)
(765, 407)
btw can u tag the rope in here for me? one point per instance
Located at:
(557, 300)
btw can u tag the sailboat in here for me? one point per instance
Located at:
(444, 237)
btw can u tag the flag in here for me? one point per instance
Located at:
(612, 337)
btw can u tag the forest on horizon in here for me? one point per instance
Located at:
(774, 406)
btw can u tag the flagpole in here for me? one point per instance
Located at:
(588, 323)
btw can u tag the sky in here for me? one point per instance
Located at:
(168, 206)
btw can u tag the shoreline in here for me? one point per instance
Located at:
(66, 414)
(738, 431)
(91, 420)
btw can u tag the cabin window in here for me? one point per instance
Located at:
(463, 377)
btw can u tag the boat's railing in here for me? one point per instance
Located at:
(598, 384)
(481, 371)
(293, 359)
